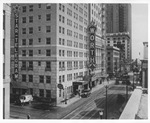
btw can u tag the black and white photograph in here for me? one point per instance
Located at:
(75, 60)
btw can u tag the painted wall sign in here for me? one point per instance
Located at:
(16, 43)
(92, 54)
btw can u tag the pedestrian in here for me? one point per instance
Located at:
(28, 116)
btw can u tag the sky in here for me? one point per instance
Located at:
(139, 28)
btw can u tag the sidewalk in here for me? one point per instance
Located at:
(76, 98)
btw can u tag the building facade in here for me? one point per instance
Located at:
(97, 13)
(119, 26)
(123, 39)
(53, 49)
(113, 60)
(144, 66)
(6, 60)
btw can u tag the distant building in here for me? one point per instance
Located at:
(119, 27)
(6, 60)
(113, 60)
(124, 39)
(144, 66)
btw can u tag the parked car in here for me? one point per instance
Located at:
(85, 93)
(25, 99)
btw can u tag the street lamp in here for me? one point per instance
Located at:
(101, 113)
(65, 95)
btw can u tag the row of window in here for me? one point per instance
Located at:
(31, 31)
(70, 65)
(69, 12)
(70, 76)
(29, 64)
(70, 53)
(30, 52)
(31, 77)
(24, 8)
(31, 19)
(123, 41)
(24, 41)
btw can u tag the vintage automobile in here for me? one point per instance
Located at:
(85, 93)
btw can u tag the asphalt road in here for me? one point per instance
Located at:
(90, 110)
(85, 108)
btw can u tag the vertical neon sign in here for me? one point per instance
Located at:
(16, 43)
(92, 54)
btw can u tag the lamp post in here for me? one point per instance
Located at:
(65, 95)
(101, 113)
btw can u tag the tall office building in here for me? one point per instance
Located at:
(52, 49)
(6, 60)
(119, 27)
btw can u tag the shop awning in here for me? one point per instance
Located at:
(80, 82)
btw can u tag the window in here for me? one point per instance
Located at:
(48, 40)
(48, 79)
(63, 19)
(39, 5)
(23, 52)
(39, 39)
(63, 78)
(31, 65)
(39, 51)
(63, 30)
(30, 52)
(59, 79)
(23, 78)
(23, 30)
(48, 6)
(39, 63)
(63, 53)
(30, 8)
(41, 92)
(30, 30)
(23, 8)
(30, 19)
(59, 52)
(23, 19)
(48, 52)
(39, 17)
(48, 93)
(41, 79)
(39, 28)
(48, 17)
(48, 28)
(24, 64)
(31, 41)
(23, 41)
(30, 78)
(48, 64)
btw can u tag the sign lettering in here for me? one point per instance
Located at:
(16, 48)
(92, 55)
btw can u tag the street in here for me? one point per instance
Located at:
(85, 108)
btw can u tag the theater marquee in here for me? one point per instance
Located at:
(92, 54)
(16, 43)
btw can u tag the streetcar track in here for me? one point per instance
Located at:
(91, 102)
(100, 102)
